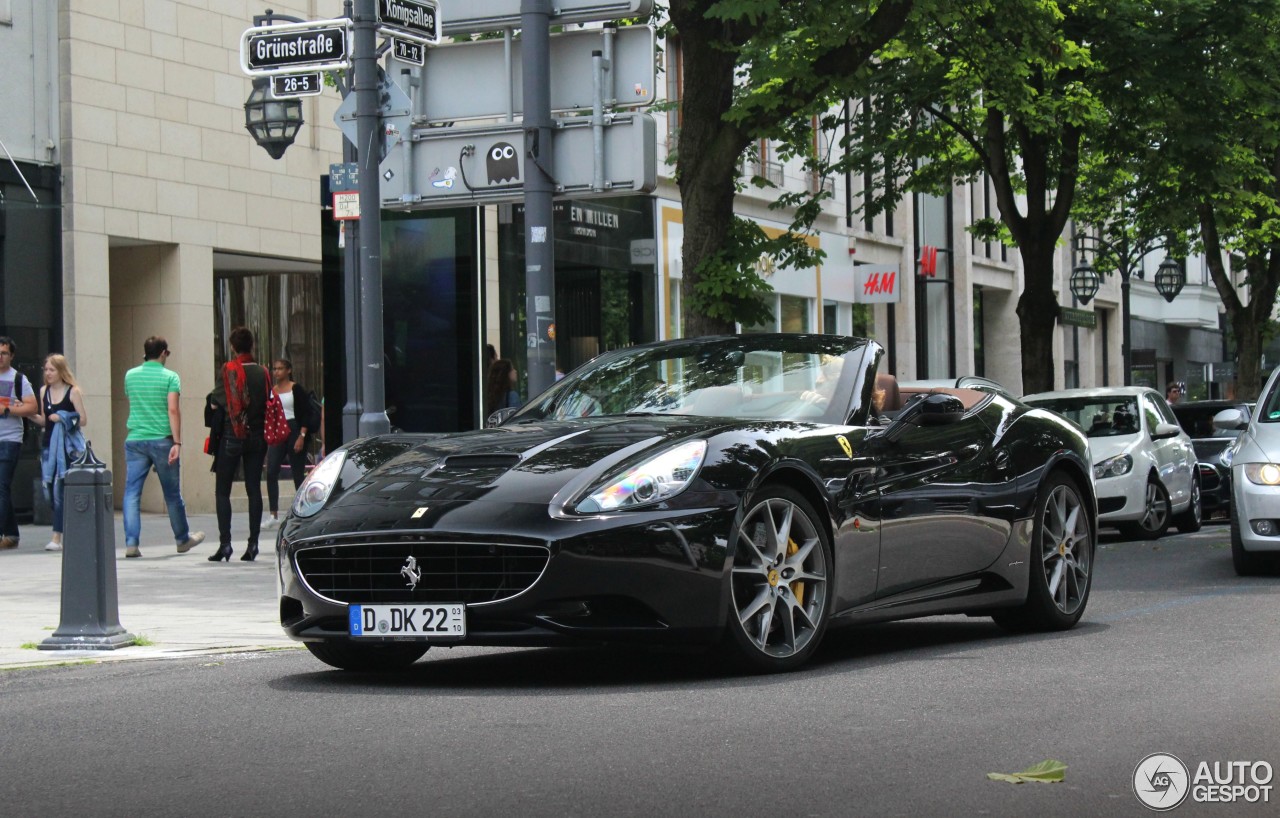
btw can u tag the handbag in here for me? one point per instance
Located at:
(275, 428)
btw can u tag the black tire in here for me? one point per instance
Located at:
(774, 573)
(1189, 521)
(1155, 519)
(366, 658)
(1061, 561)
(1247, 564)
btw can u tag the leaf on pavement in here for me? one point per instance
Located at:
(1046, 772)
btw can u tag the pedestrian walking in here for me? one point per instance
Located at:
(155, 442)
(245, 386)
(17, 400)
(63, 416)
(299, 410)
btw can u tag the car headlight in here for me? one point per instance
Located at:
(1113, 467)
(1264, 474)
(316, 489)
(653, 481)
(1227, 455)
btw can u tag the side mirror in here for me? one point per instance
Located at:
(1165, 430)
(499, 417)
(1230, 419)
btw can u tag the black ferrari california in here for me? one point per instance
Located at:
(745, 492)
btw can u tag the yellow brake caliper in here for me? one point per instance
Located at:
(797, 588)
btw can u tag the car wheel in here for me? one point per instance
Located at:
(1061, 561)
(1190, 520)
(1155, 515)
(780, 597)
(1245, 563)
(366, 658)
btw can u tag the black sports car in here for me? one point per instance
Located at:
(744, 491)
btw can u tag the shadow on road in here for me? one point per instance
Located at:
(568, 670)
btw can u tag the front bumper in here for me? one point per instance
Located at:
(1121, 499)
(657, 576)
(1252, 504)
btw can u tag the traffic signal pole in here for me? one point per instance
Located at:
(539, 191)
(373, 418)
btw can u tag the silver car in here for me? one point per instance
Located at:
(1255, 482)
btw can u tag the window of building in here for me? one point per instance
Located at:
(979, 335)
(674, 57)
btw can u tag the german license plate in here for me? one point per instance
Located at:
(408, 621)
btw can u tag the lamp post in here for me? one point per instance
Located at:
(1128, 255)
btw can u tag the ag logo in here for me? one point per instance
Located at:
(1161, 781)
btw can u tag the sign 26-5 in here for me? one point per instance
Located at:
(296, 85)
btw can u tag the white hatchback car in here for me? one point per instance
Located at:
(1144, 466)
(1255, 482)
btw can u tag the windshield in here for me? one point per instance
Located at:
(1099, 417)
(1271, 404)
(776, 377)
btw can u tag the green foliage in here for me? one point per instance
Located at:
(1046, 772)
(729, 286)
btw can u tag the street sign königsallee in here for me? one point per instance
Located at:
(418, 19)
(322, 45)
(476, 16)
(456, 167)
(469, 80)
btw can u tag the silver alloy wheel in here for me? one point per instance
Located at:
(779, 578)
(1197, 502)
(1065, 549)
(1156, 510)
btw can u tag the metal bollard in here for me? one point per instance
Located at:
(90, 611)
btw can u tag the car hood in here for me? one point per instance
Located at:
(1104, 447)
(518, 463)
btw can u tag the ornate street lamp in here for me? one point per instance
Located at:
(1128, 255)
(1170, 278)
(1085, 282)
(274, 123)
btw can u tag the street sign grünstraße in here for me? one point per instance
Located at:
(291, 48)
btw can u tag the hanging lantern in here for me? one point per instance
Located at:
(1085, 283)
(1170, 278)
(274, 123)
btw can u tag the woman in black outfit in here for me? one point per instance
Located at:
(245, 386)
(297, 410)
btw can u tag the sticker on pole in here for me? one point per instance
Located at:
(346, 205)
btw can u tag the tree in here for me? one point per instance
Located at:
(995, 87)
(1196, 129)
(751, 68)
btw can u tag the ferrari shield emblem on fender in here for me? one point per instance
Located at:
(844, 444)
(421, 510)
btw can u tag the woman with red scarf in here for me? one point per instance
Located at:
(244, 388)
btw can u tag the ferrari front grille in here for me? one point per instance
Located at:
(420, 572)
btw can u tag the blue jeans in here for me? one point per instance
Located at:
(54, 492)
(140, 456)
(9, 451)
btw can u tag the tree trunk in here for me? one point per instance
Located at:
(1037, 318)
(1248, 338)
(708, 153)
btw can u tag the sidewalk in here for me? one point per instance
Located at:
(181, 604)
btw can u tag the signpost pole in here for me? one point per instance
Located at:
(539, 190)
(373, 419)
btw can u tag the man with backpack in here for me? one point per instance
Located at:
(17, 400)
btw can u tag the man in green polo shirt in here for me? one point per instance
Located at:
(154, 441)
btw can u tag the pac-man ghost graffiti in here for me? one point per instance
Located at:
(502, 163)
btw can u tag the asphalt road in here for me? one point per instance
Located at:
(1175, 654)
